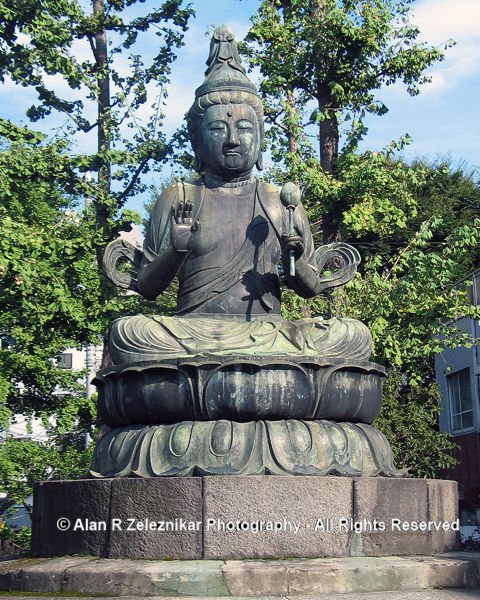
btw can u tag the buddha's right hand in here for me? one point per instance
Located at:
(181, 226)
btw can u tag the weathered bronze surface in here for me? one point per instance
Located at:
(223, 447)
(207, 388)
(227, 366)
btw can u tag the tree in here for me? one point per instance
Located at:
(406, 293)
(22, 464)
(49, 300)
(49, 275)
(330, 57)
(41, 39)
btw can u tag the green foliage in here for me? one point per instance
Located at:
(20, 537)
(49, 299)
(372, 195)
(42, 42)
(333, 56)
(409, 299)
(337, 53)
(24, 462)
(451, 193)
(52, 296)
(408, 415)
(418, 191)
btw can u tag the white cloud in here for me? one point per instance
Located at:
(442, 20)
(438, 83)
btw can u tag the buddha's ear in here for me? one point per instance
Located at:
(198, 164)
(259, 164)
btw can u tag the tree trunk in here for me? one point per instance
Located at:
(103, 107)
(328, 130)
(328, 147)
(292, 133)
(103, 140)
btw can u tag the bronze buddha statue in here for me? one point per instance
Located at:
(225, 237)
(226, 385)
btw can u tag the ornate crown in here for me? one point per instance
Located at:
(225, 71)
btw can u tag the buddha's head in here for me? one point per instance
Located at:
(225, 122)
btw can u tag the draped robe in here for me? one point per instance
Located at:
(229, 284)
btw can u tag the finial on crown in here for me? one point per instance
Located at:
(223, 49)
(225, 71)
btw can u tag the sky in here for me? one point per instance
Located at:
(443, 121)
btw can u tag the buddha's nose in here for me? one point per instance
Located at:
(232, 139)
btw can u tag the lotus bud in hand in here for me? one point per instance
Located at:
(290, 198)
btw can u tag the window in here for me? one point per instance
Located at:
(65, 360)
(460, 396)
(473, 291)
(476, 290)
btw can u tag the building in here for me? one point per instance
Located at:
(458, 378)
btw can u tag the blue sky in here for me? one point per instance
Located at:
(443, 120)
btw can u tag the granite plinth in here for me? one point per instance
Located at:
(226, 517)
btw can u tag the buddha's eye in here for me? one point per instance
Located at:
(217, 126)
(244, 124)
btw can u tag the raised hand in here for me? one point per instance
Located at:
(293, 243)
(293, 247)
(181, 227)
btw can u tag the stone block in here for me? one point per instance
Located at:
(386, 510)
(275, 517)
(454, 571)
(295, 578)
(110, 577)
(202, 578)
(71, 517)
(140, 578)
(156, 518)
(46, 576)
(232, 517)
(359, 574)
(256, 578)
(443, 508)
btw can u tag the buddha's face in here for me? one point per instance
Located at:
(229, 140)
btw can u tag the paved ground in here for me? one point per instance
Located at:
(453, 594)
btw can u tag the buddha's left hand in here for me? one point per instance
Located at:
(292, 242)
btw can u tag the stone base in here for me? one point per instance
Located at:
(226, 517)
(240, 579)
